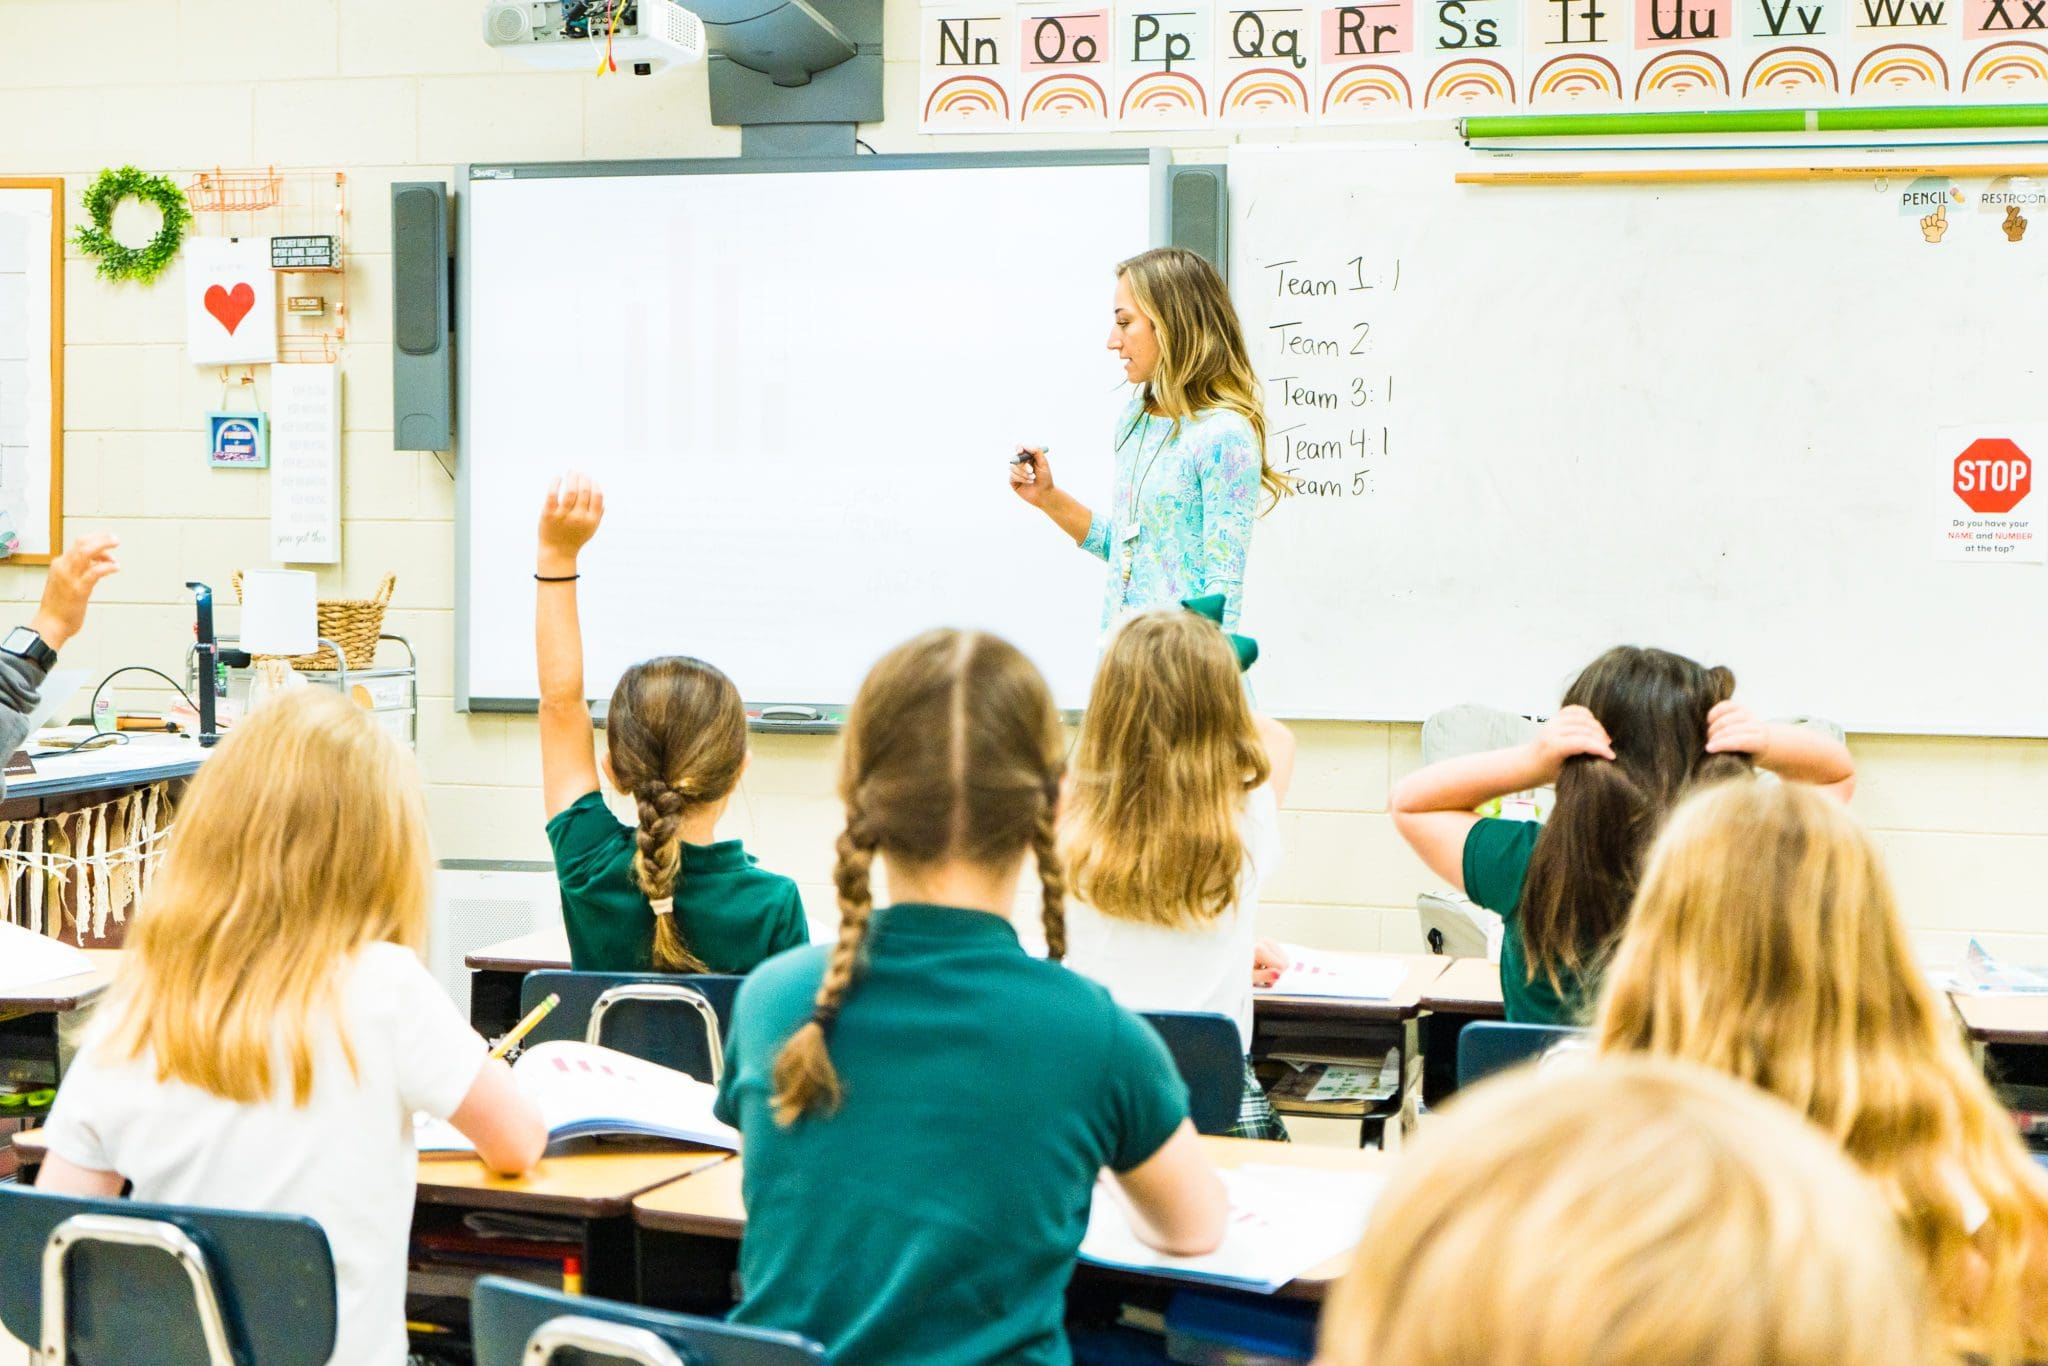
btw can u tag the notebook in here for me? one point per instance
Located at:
(585, 1090)
(1311, 972)
(1284, 1221)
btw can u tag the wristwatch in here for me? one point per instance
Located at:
(27, 644)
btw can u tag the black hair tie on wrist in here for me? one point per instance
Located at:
(559, 578)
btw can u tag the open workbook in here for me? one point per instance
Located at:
(1284, 1222)
(584, 1090)
(1345, 976)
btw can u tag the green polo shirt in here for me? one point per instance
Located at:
(732, 913)
(933, 1217)
(1496, 862)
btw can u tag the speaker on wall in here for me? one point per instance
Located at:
(1197, 216)
(422, 355)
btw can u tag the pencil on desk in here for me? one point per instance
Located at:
(525, 1026)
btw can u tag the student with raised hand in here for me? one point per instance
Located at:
(272, 1031)
(666, 894)
(1171, 824)
(1637, 729)
(925, 1106)
(27, 653)
(1766, 943)
(1634, 1213)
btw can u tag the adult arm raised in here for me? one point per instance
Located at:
(1031, 480)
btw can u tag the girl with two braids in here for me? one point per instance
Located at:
(926, 1107)
(1639, 728)
(664, 894)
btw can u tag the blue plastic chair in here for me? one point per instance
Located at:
(513, 1323)
(93, 1280)
(675, 1019)
(1209, 1052)
(1489, 1046)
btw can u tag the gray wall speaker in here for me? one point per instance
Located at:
(422, 354)
(1197, 213)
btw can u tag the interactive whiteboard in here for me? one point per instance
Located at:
(800, 384)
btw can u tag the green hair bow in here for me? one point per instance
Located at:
(1211, 606)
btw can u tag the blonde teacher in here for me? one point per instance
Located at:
(1190, 448)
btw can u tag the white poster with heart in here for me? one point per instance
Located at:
(230, 301)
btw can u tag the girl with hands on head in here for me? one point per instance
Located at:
(1638, 728)
(665, 893)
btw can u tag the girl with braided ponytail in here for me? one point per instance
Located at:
(925, 1106)
(663, 894)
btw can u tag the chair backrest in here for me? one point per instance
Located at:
(93, 1280)
(513, 1323)
(1209, 1052)
(1489, 1046)
(666, 1028)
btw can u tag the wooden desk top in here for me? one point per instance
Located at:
(144, 758)
(528, 953)
(584, 1182)
(708, 1203)
(62, 993)
(1423, 969)
(1469, 986)
(2003, 1019)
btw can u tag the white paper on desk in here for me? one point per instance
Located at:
(1284, 1221)
(27, 958)
(583, 1089)
(1310, 973)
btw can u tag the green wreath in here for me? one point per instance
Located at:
(120, 262)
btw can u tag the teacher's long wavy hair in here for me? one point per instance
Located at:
(1203, 362)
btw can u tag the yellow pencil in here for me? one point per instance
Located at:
(525, 1026)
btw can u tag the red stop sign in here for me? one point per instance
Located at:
(1992, 475)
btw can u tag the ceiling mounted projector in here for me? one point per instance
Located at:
(567, 35)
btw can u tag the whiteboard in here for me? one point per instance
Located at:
(800, 389)
(1708, 417)
(31, 366)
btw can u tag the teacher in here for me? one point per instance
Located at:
(1190, 448)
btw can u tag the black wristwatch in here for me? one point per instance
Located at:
(26, 643)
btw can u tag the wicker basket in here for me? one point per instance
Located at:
(352, 623)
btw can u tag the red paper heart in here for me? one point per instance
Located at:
(230, 306)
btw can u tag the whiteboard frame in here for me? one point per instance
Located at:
(830, 713)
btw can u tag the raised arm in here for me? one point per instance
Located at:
(1432, 807)
(568, 742)
(1031, 480)
(1798, 754)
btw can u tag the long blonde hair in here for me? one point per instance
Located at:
(1152, 829)
(676, 736)
(1203, 361)
(1634, 1213)
(1765, 943)
(952, 752)
(302, 839)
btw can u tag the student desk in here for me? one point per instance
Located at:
(29, 1022)
(682, 1223)
(1353, 1027)
(594, 1186)
(1467, 990)
(496, 971)
(2008, 1035)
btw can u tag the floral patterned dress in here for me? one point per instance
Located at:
(1179, 521)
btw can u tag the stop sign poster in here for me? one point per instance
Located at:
(1990, 511)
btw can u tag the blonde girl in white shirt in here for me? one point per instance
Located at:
(1171, 823)
(273, 1031)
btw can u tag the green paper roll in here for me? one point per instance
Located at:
(1852, 120)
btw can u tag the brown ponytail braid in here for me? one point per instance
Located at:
(676, 735)
(953, 750)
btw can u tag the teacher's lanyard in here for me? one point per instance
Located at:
(1130, 527)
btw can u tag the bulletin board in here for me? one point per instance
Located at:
(32, 364)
